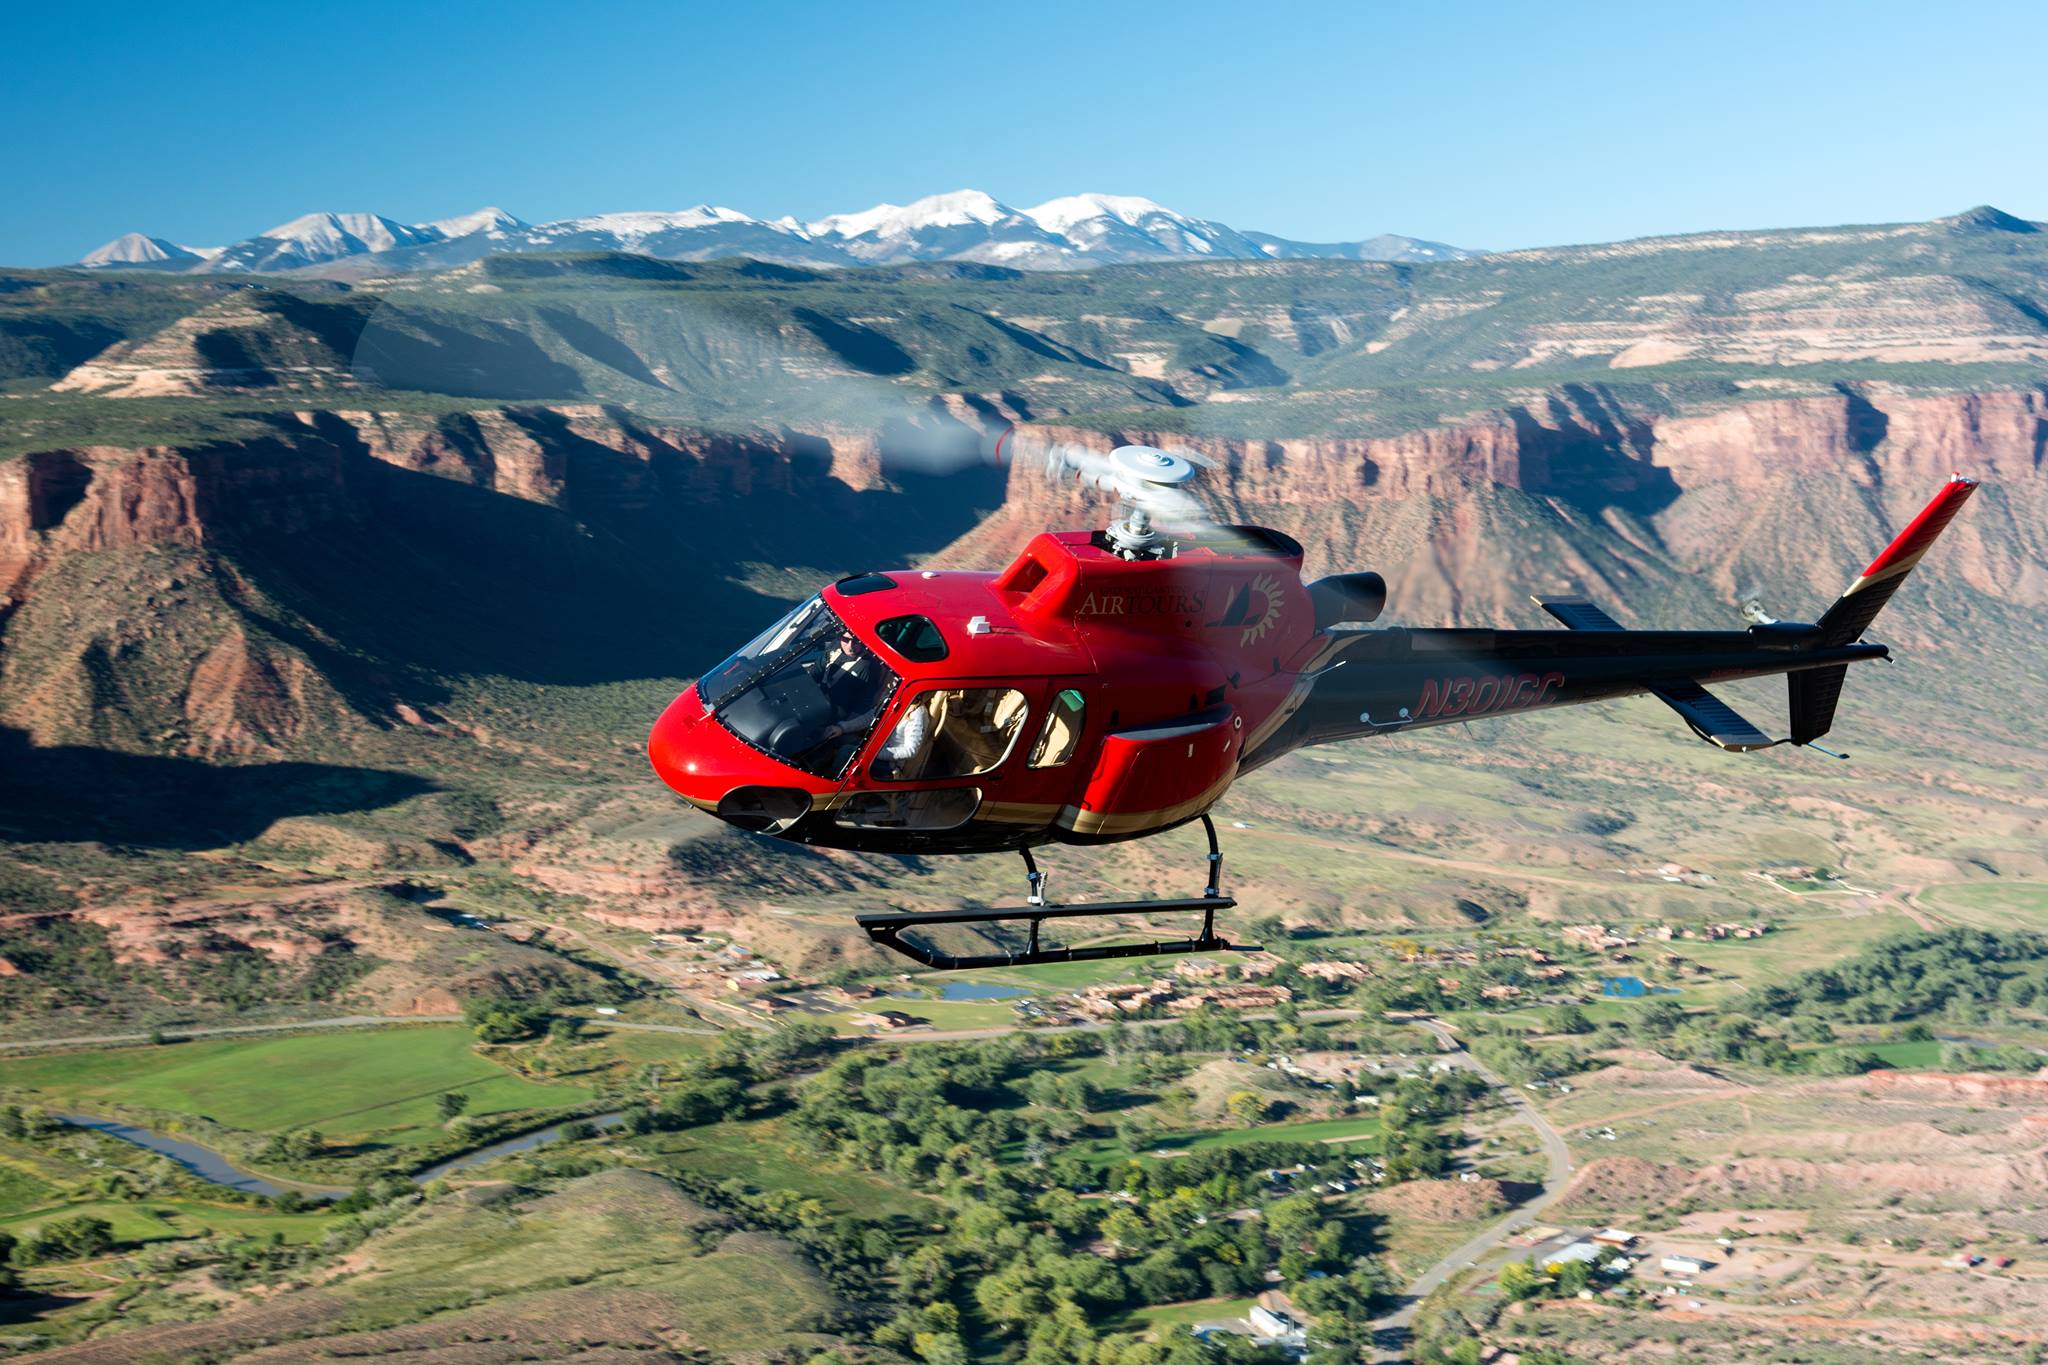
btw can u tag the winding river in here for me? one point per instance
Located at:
(203, 1162)
(216, 1168)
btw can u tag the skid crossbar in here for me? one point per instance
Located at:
(888, 930)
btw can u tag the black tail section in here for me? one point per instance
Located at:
(1813, 693)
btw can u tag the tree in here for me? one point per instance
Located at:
(939, 1348)
(1847, 1062)
(1125, 1229)
(450, 1103)
(298, 1144)
(1519, 1280)
(1573, 1276)
(70, 1239)
(706, 1100)
(1569, 1019)
(1246, 1106)
(500, 1020)
(1061, 1339)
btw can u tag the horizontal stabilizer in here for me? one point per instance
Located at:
(1712, 719)
(1577, 613)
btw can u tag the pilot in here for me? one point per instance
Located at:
(847, 678)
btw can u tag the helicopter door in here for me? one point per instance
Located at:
(943, 753)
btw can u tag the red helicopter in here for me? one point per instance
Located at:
(1112, 684)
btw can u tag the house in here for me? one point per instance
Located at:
(771, 1004)
(1616, 1238)
(1272, 1325)
(1234, 998)
(1683, 1265)
(1499, 992)
(1124, 997)
(1336, 971)
(1597, 937)
(1581, 1250)
(891, 1019)
(1200, 969)
(856, 991)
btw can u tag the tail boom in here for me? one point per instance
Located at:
(1376, 682)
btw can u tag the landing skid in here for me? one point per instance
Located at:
(889, 930)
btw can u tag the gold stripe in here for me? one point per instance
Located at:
(1097, 822)
(1898, 570)
(1016, 812)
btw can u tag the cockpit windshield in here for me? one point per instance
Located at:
(806, 691)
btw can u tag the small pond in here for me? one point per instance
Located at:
(1631, 988)
(980, 990)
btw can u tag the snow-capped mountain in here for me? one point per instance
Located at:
(134, 251)
(691, 234)
(965, 225)
(1074, 232)
(1124, 225)
(318, 237)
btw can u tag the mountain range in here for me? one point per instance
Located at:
(1075, 231)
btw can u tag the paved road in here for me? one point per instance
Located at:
(222, 1030)
(345, 1021)
(1390, 1330)
(915, 1035)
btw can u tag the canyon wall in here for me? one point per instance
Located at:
(519, 517)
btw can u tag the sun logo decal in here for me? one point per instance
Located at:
(1253, 611)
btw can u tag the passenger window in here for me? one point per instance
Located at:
(952, 732)
(1062, 732)
(914, 637)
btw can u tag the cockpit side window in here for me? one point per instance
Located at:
(1062, 732)
(952, 732)
(806, 691)
(914, 637)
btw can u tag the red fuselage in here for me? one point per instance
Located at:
(1077, 696)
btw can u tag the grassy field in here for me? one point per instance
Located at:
(1799, 943)
(2005, 905)
(757, 1152)
(350, 1084)
(1347, 1136)
(164, 1220)
(619, 1260)
(637, 1047)
(1168, 1316)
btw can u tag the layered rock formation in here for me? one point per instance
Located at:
(1654, 513)
(1793, 494)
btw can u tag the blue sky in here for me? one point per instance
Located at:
(1490, 125)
